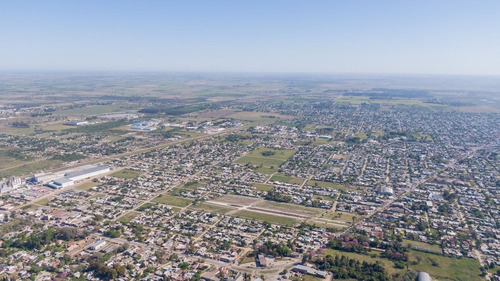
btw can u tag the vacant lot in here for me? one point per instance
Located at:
(126, 174)
(128, 217)
(286, 179)
(268, 218)
(236, 199)
(211, 208)
(289, 208)
(174, 201)
(267, 157)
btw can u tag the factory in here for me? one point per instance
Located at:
(83, 172)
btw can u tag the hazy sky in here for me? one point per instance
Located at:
(339, 36)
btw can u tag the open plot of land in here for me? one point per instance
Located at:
(237, 200)
(86, 186)
(264, 170)
(267, 157)
(289, 208)
(286, 179)
(126, 174)
(128, 217)
(171, 200)
(326, 184)
(268, 218)
(423, 245)
(447, 268)
(263, 187)
(212, 208)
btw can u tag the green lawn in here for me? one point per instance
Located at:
(126, 174)
(174, 201)
(266, 217)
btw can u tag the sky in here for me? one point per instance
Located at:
(335, 36)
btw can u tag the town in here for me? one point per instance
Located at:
(336, 185)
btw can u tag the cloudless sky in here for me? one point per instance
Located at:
(337, 36)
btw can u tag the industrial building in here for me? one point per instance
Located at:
(83, 172)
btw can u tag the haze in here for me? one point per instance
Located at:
(427, 37)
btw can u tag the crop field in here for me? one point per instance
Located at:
(126, 174)
(267, 157)
(172, 200)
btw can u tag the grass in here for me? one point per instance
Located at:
(126, 174)
(43, 202)
(286, 179)
(86, 186)
(145, 207)
(275, 158)
(263, 187)
(326, 184)
(128, 217)
(171, 200)
(30, 168)
(211, 208)
(290, 208)
(448, 268)
(264, 170)
(423, 245)
(268, 218)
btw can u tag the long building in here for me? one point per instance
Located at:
(83, 172)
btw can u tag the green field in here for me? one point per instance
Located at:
(258, 157)
(211, 208)
(174, 201)
(448, 269)
(128, 217)
(30, 168)
(264, 170)
(423, 245)
(286, 179)
(263, 187)
(326, 184)
(126, 174)
(86, 186)
(43, 202)
(268, 218)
